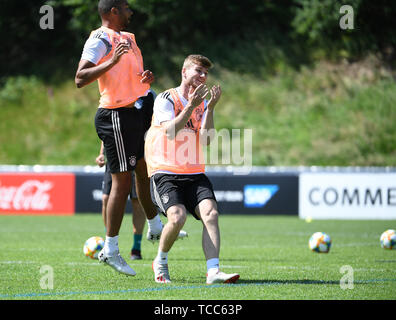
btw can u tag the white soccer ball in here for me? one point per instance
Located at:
(93, 246)
(320, 242)
(388, 239)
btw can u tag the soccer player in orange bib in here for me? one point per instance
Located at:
(112, 57)
(182, 123)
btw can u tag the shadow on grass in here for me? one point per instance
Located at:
(280, 282)
(263, 282)
(386, 261)
(223, 260)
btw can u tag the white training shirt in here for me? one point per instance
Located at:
(96, 47)
(164, 107)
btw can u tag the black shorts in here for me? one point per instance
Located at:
(121, 131)
(146, 104)
(170, 189)
(107, 182)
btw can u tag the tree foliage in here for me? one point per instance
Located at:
(373, 27)
(251, 36)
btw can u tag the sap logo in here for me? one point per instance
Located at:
(256, 196)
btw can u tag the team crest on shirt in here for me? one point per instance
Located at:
(132, 161)
(165, 198)
(198, 114)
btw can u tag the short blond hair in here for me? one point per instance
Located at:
(197, 59)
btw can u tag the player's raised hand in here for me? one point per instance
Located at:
(120, 49)
(195, 97)
(215, 93)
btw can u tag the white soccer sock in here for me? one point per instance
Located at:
(212, 265)
(111, 245)
(162, 257)
(155, 224)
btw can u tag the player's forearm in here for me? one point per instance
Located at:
(101, 151)
(207, 131)
(87, 75)
(174, 126)
(208, 122)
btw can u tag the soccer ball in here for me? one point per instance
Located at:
(93, 246)
(320, 242)
(388, 239)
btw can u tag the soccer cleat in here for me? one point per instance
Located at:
(182, 234)
(116, 262)
(161, 272)
(221, 277)
(136, 254)
(153, 237)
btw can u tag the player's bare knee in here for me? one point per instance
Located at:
(177, 217)
(211, 216)
(180, 220)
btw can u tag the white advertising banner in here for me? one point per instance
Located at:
(347, 195)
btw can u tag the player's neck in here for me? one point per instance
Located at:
(184, 88)
(111, 25)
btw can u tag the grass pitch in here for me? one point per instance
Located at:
(42, 258)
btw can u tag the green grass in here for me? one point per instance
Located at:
(270, 253)
(328, 115)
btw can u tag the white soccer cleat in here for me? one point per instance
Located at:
(116, 262)
(221, 277)
(161, 272)
(153, 237)
(182, 234)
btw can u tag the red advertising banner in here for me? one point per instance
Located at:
(37, 193)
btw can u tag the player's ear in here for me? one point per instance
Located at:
(114, 10)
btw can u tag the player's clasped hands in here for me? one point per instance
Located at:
(195, 97)
(215, 93)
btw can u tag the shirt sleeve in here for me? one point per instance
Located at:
(95, 48)
(163, 108)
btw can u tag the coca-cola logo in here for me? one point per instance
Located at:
(30, 195)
